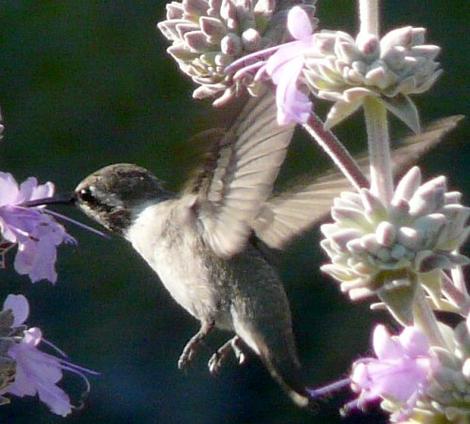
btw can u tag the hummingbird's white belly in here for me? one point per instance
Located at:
(166, 236)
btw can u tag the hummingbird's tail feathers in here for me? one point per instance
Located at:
(280, 358)
(288, 375)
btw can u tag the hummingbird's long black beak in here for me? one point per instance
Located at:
(57, 199)
(62, 199)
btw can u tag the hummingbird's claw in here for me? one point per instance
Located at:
(218, 358)
(214, 364)
(237, 350)
(192, 346)
(184, 360)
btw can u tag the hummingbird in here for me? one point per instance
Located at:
(207, 243)
(201, 241)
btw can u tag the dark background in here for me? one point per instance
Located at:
(87, 83)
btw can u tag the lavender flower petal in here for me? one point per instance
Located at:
(19, 306)
(36, 372)
(403, 367)
(36, 234)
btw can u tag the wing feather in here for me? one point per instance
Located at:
(238, 175)
(286, 216)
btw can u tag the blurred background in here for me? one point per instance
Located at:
(87, 83)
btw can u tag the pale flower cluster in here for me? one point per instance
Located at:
(347, 70)
(373, 246)
(208, 35)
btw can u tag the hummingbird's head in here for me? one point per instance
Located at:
(115, 194)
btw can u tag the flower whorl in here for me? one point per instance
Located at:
(345, 71)
(372, 246)
(208, 35)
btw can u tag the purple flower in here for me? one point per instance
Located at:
(36, 233)
(401, 370)
(37, 372)
(285, 66)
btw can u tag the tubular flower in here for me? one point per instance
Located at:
(285, 67)
(345, 71)
(376, 249)
(208, 35)
(399, 374)
(36, 233)
(29, 370)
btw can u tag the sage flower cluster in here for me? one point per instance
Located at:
(208, 35)
(397, 376)
(375, 247)
(36, 233)
(345, 70)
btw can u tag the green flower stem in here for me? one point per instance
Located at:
(369, 16)
(379, 149)
(425, 320)
(337, 152)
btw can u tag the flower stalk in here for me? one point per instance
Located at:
(369, 16)
(336, 151)
(379, 149)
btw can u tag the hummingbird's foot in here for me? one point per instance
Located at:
(237, 346)
(218, 358)
(192, 346)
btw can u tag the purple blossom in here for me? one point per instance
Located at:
(284, 67)
(401, 370)
(37, 372)
(36, 233)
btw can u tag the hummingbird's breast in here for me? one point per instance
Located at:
(242, 294)
(167, 236)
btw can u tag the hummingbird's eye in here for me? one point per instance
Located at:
(86, 195)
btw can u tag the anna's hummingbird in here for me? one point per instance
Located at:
(201, 244)
(204, 242)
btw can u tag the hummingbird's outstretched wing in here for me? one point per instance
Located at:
(238, 175)
(289, 214)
